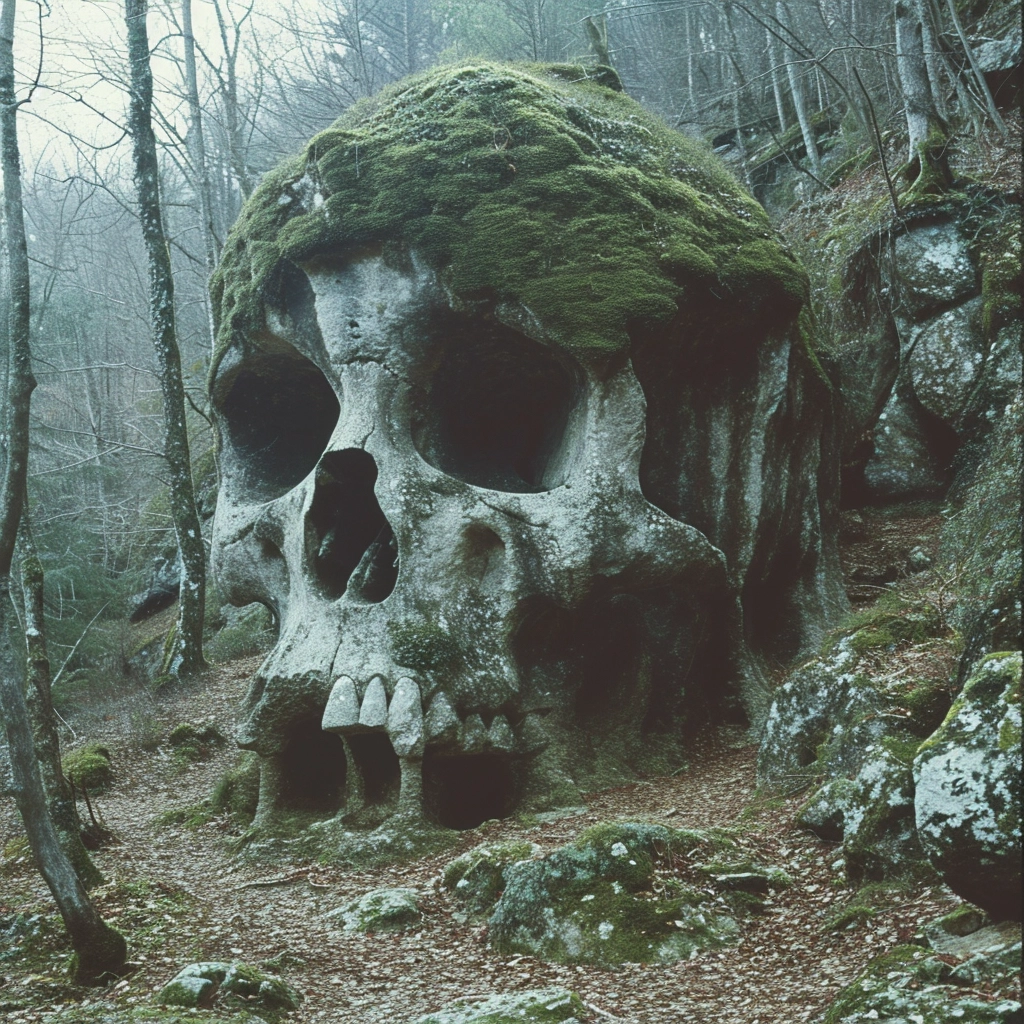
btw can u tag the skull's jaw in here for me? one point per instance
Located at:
(600, 701)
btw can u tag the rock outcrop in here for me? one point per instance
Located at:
(968, 790)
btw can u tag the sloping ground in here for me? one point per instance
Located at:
(181, 895)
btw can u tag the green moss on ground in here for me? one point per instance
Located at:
(531, 185)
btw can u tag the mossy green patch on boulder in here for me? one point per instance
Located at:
(968, 789)
(89, 767)
(911, 983)
(382, 910)
(477, 877)
(540, 1006)
(230, 985)
(593, 901)
(524, 186)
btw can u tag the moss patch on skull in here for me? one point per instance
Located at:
(530, 185)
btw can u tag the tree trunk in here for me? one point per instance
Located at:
(200, 170)
(927, 166)
(780, 105)
(99, 950)
(796, 90)
(185, 656)
(59, 797)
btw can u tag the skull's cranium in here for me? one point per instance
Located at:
(442, 489)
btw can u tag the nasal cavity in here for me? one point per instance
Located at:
(352, 546)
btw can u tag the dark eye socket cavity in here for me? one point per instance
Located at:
(498, 412)
(277, 412)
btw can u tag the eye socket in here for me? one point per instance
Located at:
(498, 412)
(277, 412)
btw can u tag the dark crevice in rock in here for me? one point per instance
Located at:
(462, 792)
(353, 546)
(313, 769)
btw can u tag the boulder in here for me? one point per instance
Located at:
(382, 910)
(968, 789)
(540, 1006)
(932, 267)
(477, 878)
(911, 983)
(903, 463)
(946, 360)
(229, 983)
(593, 901)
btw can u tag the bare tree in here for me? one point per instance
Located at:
(185, 656)
(99, 950)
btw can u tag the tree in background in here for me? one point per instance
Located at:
(185, 654)
(99, 950)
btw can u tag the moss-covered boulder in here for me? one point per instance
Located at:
(88, 767)
(382, 910)
(968, 776)
(539, 1006)
(911, 983)
(595, 900)
(849, 723)
(477, 877)
(230, 985)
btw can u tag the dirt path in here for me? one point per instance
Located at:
(183, 896)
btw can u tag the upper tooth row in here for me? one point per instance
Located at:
(408, 728)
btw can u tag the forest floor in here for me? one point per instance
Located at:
(182, 894)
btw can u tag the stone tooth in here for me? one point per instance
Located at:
(474, 734)
(500, 735)
(441, 724)
(405, 719)
(534, 734)
(342, 710)
(374, 711)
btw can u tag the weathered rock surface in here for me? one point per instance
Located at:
(930, 356)
(382, 910)
(913, 984)
(391, 419)
(477, 877)
(968, 789)
(201, 984)
(540, 1006)
(852, 730)
(592, 901)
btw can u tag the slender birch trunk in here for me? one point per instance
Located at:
(796, 89)
(185, 656)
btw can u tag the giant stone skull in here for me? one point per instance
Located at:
(520, 444)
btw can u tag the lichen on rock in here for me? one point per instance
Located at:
(968, 789)
(382, 910)
(539, 1006)
(231, 985)
(912, 983)
(477, 877)
(593, 901)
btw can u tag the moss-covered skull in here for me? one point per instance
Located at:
(445, 330)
